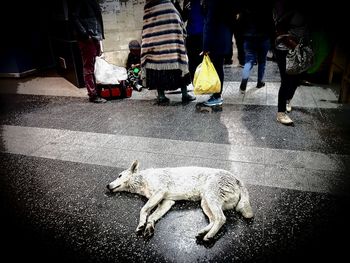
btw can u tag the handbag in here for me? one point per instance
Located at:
(299, 59)
(206, 80)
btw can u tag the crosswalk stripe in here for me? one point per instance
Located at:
(254, 165)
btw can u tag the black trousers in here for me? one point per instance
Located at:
(218, 62)
(289, 83)
(194, 45)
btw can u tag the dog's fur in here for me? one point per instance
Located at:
(217, 189)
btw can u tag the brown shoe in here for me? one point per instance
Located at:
(283, 118)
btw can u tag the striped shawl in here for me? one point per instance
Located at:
(163, 38)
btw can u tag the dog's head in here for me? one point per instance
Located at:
(122, 183)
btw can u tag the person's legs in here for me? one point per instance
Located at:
(250, 58)
(294, 82)
(237, 33)
(89, 50)
(194, 48)
(264, 48)
(134, 80)
(285, 88)
(218, 62)
(184, 81)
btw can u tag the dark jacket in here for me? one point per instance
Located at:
(291, 22)
(133, 59)
(87, 19)
(217, 37)
(256, 18)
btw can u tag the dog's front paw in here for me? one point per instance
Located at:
(200, 235)
(149, 230)
(140, 228)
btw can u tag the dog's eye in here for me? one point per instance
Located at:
(119, 175)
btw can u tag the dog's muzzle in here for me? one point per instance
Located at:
(112, 188)
(109, 187)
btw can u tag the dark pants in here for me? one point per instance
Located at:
(239, 39)
(89, 50)
(218, 62)
(289, 83)
(194, 45)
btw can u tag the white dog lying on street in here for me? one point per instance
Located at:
(217, 189)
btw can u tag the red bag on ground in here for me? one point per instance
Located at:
(114, 91)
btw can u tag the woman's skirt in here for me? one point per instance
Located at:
(166, 79)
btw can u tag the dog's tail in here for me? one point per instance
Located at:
(243, 205)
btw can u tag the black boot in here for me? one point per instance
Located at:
(161, 99)
(185, 96)
(243, 85)
(260, 84)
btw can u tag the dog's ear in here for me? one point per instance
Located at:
(134, 166)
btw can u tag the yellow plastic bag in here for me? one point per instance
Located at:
(206, 79)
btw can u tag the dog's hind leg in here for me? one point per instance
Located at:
(161, 210)
(243, 205)
(147, 208)
(209, 214)
(218, 218)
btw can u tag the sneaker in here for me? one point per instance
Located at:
(284, 118)
(188, 97)
(260, 84)
(214, 102)
(97, 100)
(289, 106)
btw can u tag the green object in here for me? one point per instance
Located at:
(136, 70)
(322, 48)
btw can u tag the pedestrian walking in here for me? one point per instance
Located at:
(257, 22)
(291, 27)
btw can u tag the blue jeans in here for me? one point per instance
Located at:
(255, 50)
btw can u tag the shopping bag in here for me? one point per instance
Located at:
(206, 80)
(107, 73)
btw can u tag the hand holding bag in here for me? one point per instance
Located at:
(206, 79)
